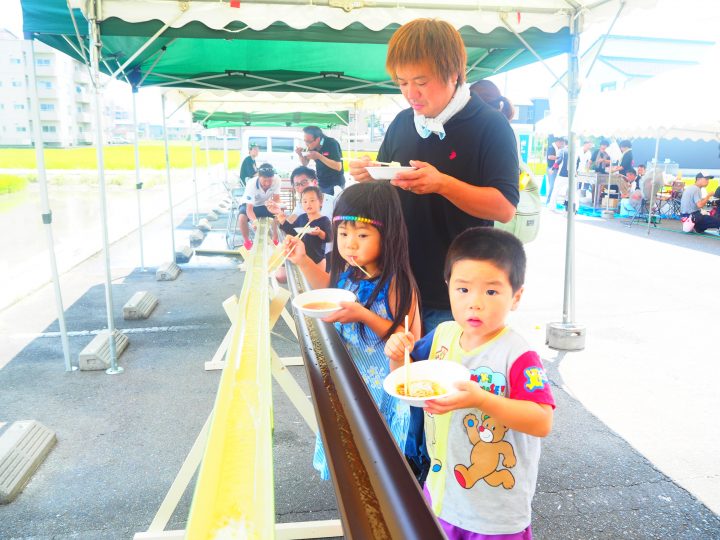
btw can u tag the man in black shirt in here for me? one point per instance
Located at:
(626, 162)
(328, 158)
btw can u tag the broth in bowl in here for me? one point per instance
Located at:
(321, 305)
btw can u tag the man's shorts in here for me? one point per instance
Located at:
(260, 211)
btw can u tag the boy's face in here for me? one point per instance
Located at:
(310, 203)
(480, 299)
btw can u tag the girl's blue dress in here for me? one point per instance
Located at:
(367, 351)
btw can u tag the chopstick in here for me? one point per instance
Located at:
(352, 259)
(407, 362)
(302, 233)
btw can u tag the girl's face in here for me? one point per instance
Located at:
(360, 244)
(426, 93)
(310, 203)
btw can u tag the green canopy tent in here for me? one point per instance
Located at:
(221, 119)
(301, 46)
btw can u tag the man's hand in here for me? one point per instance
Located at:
(424, 179)
(357, 169)
(299, 151)
(312, 154)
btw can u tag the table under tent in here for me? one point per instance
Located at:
(301, 46)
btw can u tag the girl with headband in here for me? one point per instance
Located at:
(369, 258)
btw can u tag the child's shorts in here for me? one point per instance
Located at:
(456, 533)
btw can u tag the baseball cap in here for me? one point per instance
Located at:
(700, 175)
(266, 170)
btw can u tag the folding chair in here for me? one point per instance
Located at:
(650, 189)
(235, 192)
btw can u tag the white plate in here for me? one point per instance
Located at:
(322, 295)
(444, 372)
(299, 229)
(386, 173)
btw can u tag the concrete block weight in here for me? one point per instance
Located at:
(196, 237)
(140, 306)
(184, 254)
(23, 447)
(204, 225)
(96, 355)
(211, 216)
(167, 272)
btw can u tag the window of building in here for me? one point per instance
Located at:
(42, 61)
(19, 107)
(17, 84)
(282, 144)
(47, 107)
(2, 106)
(47, 85)
(49, 129)
(78, 89)
(15, 61)
(20, 129)
(608, 86)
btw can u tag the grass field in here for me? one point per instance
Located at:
(121, 157)
(10, 183)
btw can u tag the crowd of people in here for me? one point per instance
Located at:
(422, 246)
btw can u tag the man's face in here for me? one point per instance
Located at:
(603, 147)
(426, 92)
(641, 170)
(587, 146)
(702, 181)
(560, 144)
(301, 181)
(254, 152)
(265, 182)
(631, 177)
(311, 143)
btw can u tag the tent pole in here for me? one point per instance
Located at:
(194, 172)
(225, 154)
(652, 187)
(138, 182)
(169, 182)
(46, 213)
(207, 156)
(95, 52)
(573, 90)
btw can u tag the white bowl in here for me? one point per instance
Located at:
(333, 296)
(386, 173)
(299, 229)
(444, 372)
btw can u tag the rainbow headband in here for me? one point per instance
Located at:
(360, 219)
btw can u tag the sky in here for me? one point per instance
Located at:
(691, 19)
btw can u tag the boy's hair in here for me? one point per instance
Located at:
(379, 201)
(492, 245)
(428, 41)
(302, 169)
(313, 189)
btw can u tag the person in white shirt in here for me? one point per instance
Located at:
(266, 188)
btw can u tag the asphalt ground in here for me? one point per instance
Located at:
(633, 453)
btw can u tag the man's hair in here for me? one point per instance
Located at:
(428, 41)
(631, 171)
(497, 247)
(313, 189)
(604, 142)
(302, 169)
(266, 170)
(314, 131)
(625, 144)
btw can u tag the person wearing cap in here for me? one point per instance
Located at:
(328, 158)
(628, 183)
(248, 168)
(257, 194)
(693, 202)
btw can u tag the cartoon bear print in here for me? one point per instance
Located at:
(488, 445)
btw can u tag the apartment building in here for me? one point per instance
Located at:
(64, 95)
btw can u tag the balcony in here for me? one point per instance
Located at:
(84, 117)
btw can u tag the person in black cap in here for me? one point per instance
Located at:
(248, 169)
(328, 158)
(692, 204)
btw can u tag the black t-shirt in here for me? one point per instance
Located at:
(551, 152)
(599, 154)
(314, 246)
(328, 177)
(479, 148)
(248, 168)
(626, 162)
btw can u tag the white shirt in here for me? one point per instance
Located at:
(256, 196)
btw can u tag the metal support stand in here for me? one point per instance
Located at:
(169, 181)
(569, 335)
(46, 213)
(138, 182)
(95, 53)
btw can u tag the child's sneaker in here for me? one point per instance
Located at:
(248, 244)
